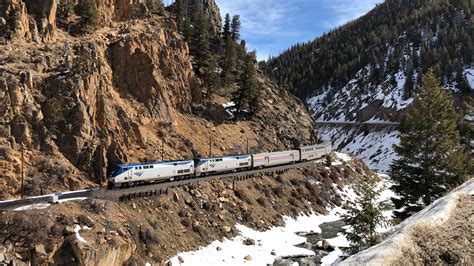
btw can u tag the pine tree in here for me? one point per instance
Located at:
(409, 84)
(461, 83)
(364, 215)
(200, 43)
(230, 62)
(431, 161)
(247, 97)
(235, 28)
(226, 31)
(180, 11)
(87, 10)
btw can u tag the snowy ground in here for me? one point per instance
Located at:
(281, 240)
(399, 243)
(374, 147)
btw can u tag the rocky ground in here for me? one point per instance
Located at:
(157, 228)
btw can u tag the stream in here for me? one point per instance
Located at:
(328, 231)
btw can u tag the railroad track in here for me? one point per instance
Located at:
(140, 191)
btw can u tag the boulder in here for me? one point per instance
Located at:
(273, 253)
(181, 260)
(176, 197)
(248, 257)
(249, 242)
(226, 229)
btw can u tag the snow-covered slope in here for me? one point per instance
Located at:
(444, 217)
(373, 145)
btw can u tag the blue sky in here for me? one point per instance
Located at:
(272, 26)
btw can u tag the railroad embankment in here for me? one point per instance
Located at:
(154, 229)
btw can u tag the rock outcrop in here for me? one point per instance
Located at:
(80, 104)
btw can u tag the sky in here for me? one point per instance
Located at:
(272, 26)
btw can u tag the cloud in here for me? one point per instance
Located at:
(273, 26)
(347, 10)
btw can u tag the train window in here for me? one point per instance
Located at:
(151, 166)
(187, 171)
(180, 171)
(175, 164)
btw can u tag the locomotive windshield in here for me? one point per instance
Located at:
(118, 170)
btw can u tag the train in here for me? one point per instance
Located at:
(127, 175)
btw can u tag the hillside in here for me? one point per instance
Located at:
(368, 70)
(431, 236)
(80, 102)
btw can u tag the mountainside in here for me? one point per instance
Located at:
(80, 102)
(368, 69)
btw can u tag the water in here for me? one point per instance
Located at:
(328, 231)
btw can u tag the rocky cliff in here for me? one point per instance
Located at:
(79, 104)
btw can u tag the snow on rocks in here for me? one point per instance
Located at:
(78, 236)
(270, 245)
(279, 241)
(375, 148)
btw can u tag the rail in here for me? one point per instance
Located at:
(118, 194)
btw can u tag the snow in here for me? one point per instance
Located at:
(375, 148)
(343, 157)
(280, 239)
(435, 214)
(228, 104)
(78, 236)
(469, 74)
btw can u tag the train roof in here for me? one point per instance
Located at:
(223, 157)
(155, 163)
(319, 145)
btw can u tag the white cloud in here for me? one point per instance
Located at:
(347, 10)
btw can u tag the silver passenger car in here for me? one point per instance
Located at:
(267, 159)
(208, 166)
(314, 152)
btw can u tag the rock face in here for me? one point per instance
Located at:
(78, 105)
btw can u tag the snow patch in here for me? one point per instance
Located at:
(78, 236)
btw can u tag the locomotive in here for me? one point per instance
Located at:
(126, 175)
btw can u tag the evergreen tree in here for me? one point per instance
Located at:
(230, 62)
(200, 43)
(409, 85)
(461, 83)
(180, 11)
(235, 28)
(247, 97)
(364, 215)
(87, 10)
(431, 161)
(226, 31)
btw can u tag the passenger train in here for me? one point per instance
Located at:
(126, 175)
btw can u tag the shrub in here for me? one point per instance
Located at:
(261, 201)
(87, 10)
(279, 191)
(149, 237)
